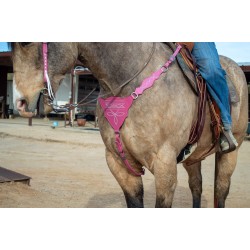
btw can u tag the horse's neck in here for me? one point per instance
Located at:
(114, 63)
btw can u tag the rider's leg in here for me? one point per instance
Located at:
(207, 60)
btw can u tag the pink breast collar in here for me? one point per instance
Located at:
(116, 108)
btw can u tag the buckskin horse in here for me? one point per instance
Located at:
(158, 122)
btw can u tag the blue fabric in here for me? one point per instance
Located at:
(207, 60)
(5, 47)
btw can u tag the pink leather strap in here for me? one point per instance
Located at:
(45, 61)
(149, 81)
(116, 108)
(123, 157)
(116, 111)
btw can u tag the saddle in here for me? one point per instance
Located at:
(188, 67)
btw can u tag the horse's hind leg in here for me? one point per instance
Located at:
(224, 167)
(195, 182)
(131, 185)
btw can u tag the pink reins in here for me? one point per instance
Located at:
(116, 108)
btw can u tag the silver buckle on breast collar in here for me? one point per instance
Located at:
(134, 95)
(164, 68)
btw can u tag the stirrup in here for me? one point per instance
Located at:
(227, 141)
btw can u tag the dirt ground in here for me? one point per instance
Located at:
(68, 169)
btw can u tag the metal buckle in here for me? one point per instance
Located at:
(198, 74)
(134, 95)
(164, 69)
(43, 91)
(172, 58)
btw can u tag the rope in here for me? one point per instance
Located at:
(49, 87)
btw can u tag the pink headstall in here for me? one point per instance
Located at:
(45, 61)
(45, 71)
(116, 108)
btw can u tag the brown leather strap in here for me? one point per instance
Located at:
(189, 45)
(198, 126)
(215, 119)
(203, 95)
(214, 109)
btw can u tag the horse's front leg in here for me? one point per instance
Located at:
(131, 185)
(165, 172)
